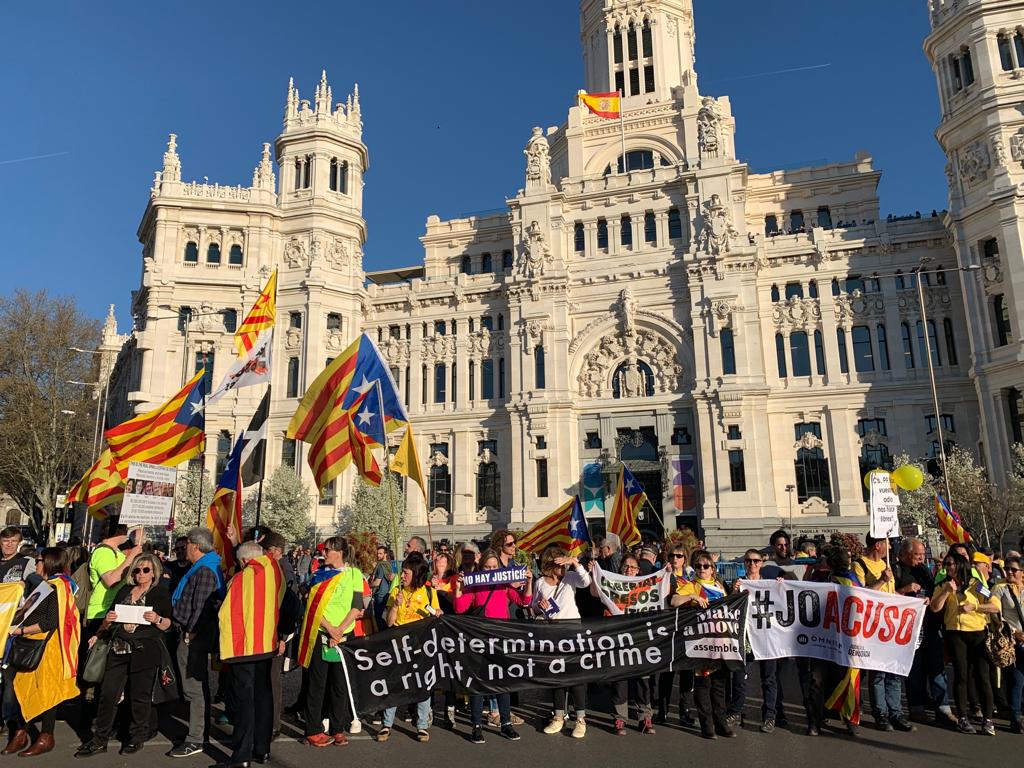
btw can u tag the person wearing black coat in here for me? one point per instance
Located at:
(134, 657)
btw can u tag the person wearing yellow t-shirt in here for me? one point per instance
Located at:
(414, 600)
(873, 571)
(966, 604)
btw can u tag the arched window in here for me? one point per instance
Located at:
(333, 182)
(235, 255)
(794, 290)
(625, 381)
(486, 264)
(539, 374)
(13, 517)
(824, 218)
(771, 225)
(506, 261)
(440, 382)
(213, 253)
(650, 229)
(602, 233)
(637, 160)
(908, 346)
(191, 252)
(617, 45)
(728, 344)
(338, 181)
(819, 353)
(812, 474)
(800, 353)
(488, 486)
(812, 289)
(466, 265)
(873, 457)
(775, 293)
(645, 31)
(440, 480)
(1005, 54)
(579, 242)
(835, 286)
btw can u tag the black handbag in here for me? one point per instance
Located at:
(165, 684)
(96, 662)
(26, 653)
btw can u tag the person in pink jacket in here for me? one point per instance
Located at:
(491, 602)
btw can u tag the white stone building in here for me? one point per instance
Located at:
(747, 343)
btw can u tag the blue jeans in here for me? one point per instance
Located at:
(422, 715)
(885, 695)
(1013, 684)
(771, 690)
(927, 687)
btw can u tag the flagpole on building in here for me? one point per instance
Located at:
(202, 463)
(622, 130)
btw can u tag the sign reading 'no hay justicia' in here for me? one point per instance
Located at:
(403, 664)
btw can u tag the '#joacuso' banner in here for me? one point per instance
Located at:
(852, 626)
(404, 664)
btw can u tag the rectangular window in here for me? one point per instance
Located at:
(908, 346)
(648, 48)
(737, 473)
(472, 381)
(293, 377)
(542, 478)
(602, 233)
(626, 231)
(883, 347)
(617, 47)
(649, 79)
(235, 255)
(631, 37)
(947, 329)
(538, 367)
(780, 354)
(733, 432)
(440, 328)
(295, 320)
(440, 382)
(501, 377)
(967, 66)
(288, 452)
(579, 242)
(1005, 56)
(824, 218)
(727, 341)
(634, 81)
(487, 322)
(184, 318)
(230, 320)
(844, 362)
(423, 385)
(327, 496)
(650, 229)
(794, 291)
(486, 264)
(486, 379)
(333, 321)
(796, 221)
(1018, 46)
(455, 380)
(771, 225)
(1001, 320)
(506, 261)
(681, 436)
(799, 353)
(675, 224)
(593, 441)
(205, 360)
(819, 353)
(620, 82)
(863, 356)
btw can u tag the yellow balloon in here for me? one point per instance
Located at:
(867, 477)
(908, 477)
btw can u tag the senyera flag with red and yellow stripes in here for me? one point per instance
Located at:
(260, 317)
(100, 486)
(950, 524)
(248, 616)
(168, 435)
(347, 412)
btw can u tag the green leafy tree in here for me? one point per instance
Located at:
(374, 510)
(46, 422)
(192, 498)
(287, 502)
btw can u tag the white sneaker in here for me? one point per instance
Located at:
(556, 725)
(580, 729)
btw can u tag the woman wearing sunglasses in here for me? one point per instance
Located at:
(683, 593)
(1010, 598)
(133, 657)
(709, 684)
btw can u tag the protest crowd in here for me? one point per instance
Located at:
(105, 639)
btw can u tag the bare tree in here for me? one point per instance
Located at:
(46, 423)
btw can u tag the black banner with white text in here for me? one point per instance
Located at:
(402, 665)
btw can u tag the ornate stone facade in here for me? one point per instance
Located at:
(728, 334)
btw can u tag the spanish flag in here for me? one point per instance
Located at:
(53, 682)
(100, 486)
(407, 462)
(168, 435)
(248, 616)
(607, 105)
(566, 527)
(260, 317)
(346, 412)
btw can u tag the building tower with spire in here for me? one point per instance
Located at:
(976, 48)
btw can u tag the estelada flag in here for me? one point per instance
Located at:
(259, 319)
(407, 462)
(248, 616)
(168, 435)
(100, 486)
(607, 105)
(347, 411)
(845, 699)
(629, 497)
(53, 681)
(566, 527)
(950, 524)
(224, 517)
(320, 595)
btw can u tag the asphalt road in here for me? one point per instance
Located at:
(673, 745)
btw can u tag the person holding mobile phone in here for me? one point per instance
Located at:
(554, 599)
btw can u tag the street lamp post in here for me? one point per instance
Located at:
(789, 489)
(101, 420)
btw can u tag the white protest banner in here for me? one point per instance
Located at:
(851, 626)
(885, 506)
(252, 369)
(148, 494)
(495, 576)
(631, 594)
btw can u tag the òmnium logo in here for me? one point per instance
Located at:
(802, 639)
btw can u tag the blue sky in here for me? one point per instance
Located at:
(449, 93)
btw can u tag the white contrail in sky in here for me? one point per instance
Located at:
(33, 157)
(779, 72)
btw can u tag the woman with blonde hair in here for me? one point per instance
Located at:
(554, 599)
(134, 656)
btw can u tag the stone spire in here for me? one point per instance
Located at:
(323, 95)
(291, 108)
(355, 98)
(172, 163)
(110, 326)
(263, 175)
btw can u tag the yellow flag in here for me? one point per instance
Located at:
(407, 462)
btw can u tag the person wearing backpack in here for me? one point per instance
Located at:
(414, 600)
(491, 602)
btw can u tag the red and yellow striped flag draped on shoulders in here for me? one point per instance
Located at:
(168, 435)
(248, 616)
(100, 486)
(53, 681)
(319, 597)
(845, 699)
(260, 317)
